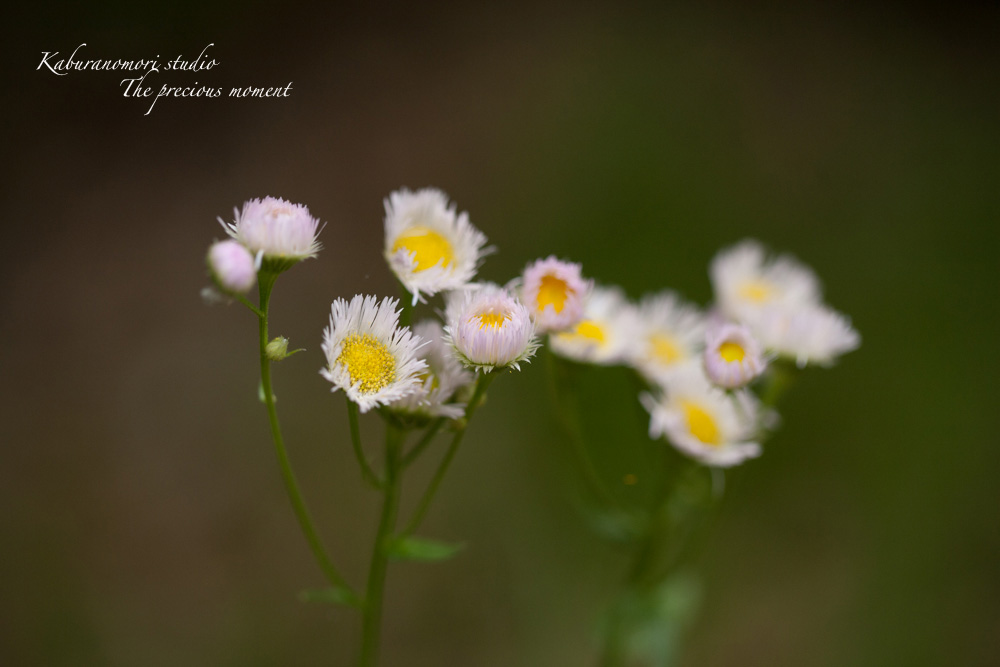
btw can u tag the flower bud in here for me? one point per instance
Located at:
(232, 266)
(733, 357)
(277, 349)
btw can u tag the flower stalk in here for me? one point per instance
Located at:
(372, 610)
(266, 284)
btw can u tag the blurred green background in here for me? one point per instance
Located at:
(143, 518)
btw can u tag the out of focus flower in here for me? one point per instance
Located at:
(489, 328)
(272, 228)
(232, 266)
(606, 334)
(671, 332)
(554, 292)
(429, 246)
(733, 357)
(701, 420)
(746, 280)
(445, 375)
(809, 334)
(368, 355)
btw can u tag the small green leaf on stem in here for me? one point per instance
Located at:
(421, 549)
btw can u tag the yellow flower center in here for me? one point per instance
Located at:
(368, 361)
(665, 349)
(428, 247)
(756, 291)
(588, 329)
(700, 423)
(491, 319)
(730, 351)
(552, 291)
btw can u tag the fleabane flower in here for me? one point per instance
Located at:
(746, 280)
(554, 292)
(232, 266)
(445, 375)
(489, 328)
(671, 332)
(733, 357)
(429, 246)
(275, 229)
(368, 355)
(809, 334)
(701, 420)
(607, 333)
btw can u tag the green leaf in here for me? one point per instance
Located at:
(421, 549)
(333, 595)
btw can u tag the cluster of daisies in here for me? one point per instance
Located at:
(700, 364)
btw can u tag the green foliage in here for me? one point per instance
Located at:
(421, 549)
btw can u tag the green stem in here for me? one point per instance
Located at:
(780, 377)
(568, 412)
(418, 448)
(372, 621)
(291, 484)
(246, 302)
(661, 552)
(482, 383)
(366, 470)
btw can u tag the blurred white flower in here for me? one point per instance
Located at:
(671, 332)
(445, 375)
(746, 280)
(607, 334)
(733, 357)
(701, 420)
(809, 334)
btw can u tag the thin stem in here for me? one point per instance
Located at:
(366, 470)
(418, 448)
(569, 417)
(291, 484)
(482, 383)
(246, 302)
(781, 375)
(372, 621)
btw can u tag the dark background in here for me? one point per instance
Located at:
(143, 518)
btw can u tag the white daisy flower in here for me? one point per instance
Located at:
(606, 335)
(733, 357)
(746, 280)
(429, 247)
(273, 228)
(445, 375)
(232, 266)
(702, 421)
(809, 334)
(554, 292)
(368, 355)
(488, 328)
(671, 332)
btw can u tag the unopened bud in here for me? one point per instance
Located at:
(232, 266)
(277, 349)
